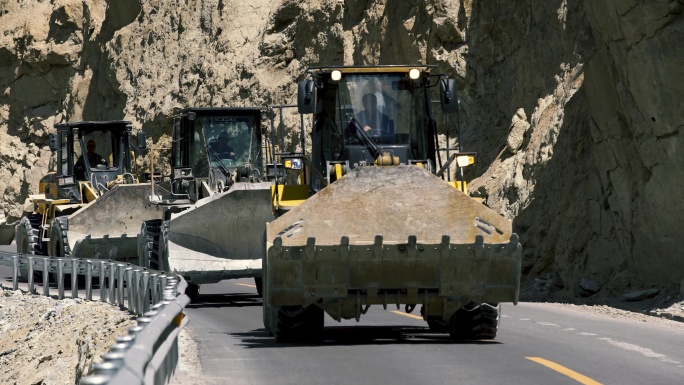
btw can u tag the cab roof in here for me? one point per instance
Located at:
(98, 123)
(223, 110)
(113, 125)
(394, 68)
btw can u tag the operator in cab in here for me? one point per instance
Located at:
(93, 159)
(221, 148)
(371, 118)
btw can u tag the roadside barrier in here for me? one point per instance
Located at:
(148, 354)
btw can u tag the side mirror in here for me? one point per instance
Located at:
(54, 143)
(305, 97)
(142, 140)
(447, 95)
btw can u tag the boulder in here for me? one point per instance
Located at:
(639, 295)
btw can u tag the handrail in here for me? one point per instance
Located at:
(148, 354)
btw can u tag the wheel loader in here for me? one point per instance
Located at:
(372, 220)
(91, 206)
(217, 203)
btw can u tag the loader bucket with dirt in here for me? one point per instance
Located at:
(389, 235)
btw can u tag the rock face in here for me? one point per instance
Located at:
(574, 107)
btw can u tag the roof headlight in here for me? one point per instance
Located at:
(414, 73)
(336, 75)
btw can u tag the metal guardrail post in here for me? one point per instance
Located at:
(89, 279)
(46, 277)
(15, 271)
(74, 278)
(120, 284)
(112, 272)
(31, 284)
(60, 278)
(154, 290)
(130, 283)
(162, 287)
(103, 279)
(145, 295)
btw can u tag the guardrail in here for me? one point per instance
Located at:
(148, 354)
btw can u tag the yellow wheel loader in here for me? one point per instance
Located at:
(92, 205)
(217, 203)
(370, 220)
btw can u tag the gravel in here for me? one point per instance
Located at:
(48, 341)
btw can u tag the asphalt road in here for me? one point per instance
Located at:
(537, 344)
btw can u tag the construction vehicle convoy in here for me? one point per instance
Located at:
(91, 206)
(217, 203)
(369, 221)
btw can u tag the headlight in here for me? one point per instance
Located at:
(414, 73)
(336, 75)
(464, 160)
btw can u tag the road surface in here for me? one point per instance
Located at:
(537, 344)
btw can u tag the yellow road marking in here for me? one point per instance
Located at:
(245, 284)
(582, 379)
(406, 314)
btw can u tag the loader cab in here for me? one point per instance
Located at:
(93, 152)
(362, 113)
(214, 148)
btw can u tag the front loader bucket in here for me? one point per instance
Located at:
(384, 235)
(108, 227)
(222, 236)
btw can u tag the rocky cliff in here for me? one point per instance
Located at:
(574, 107)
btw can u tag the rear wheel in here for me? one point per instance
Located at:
(476, 322)
(29, 242)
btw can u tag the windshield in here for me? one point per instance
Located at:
(231, 140)
(97, 150)
(389, 108)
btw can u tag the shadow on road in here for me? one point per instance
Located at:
(226, 300)
(358, 335)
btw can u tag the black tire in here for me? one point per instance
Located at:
(193, 291)
(437, 324)
(265, 307)
(259, 283)
(59, 244)
(59, 248)
(29, 242)
(160, 258)
(148, 244)
(475, 322)
(297, 324)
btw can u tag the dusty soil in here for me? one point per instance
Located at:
(667, 304)
(48, 341)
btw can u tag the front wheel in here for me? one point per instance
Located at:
(28, 242)
(476, 322)
(148, 244)
(297, 324)
(193, 291)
